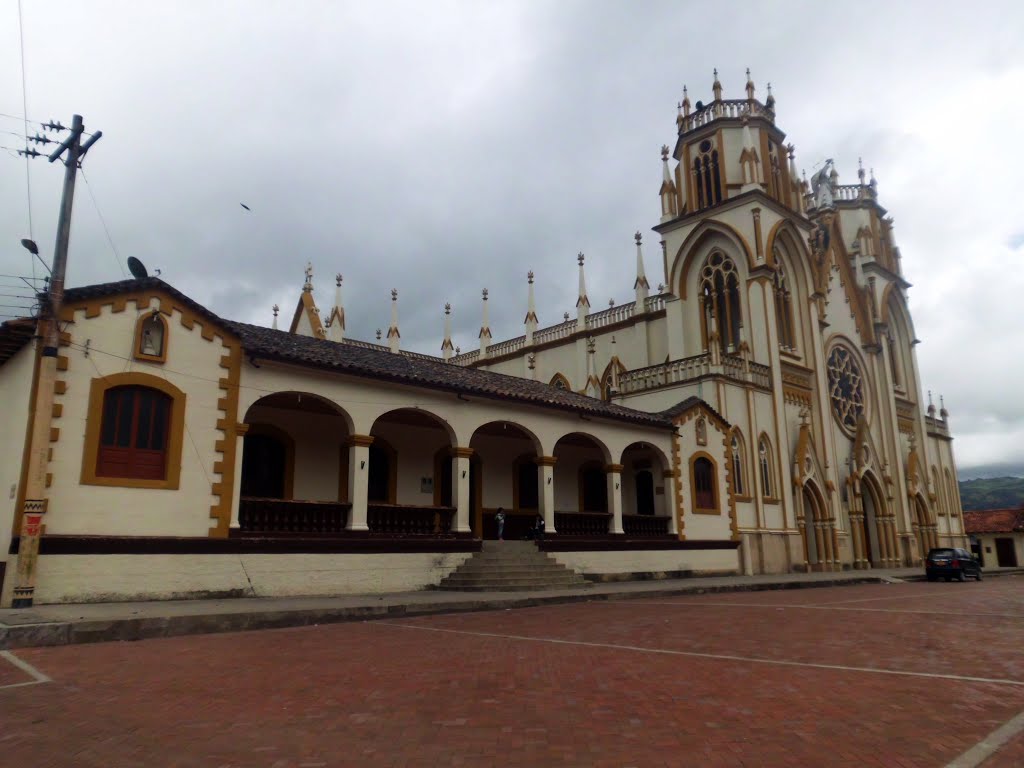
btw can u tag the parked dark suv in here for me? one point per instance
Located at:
(949, 563)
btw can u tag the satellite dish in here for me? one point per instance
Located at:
(137, 268)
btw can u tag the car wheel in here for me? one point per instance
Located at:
(931, 578)
(961, 577)
(948, 579)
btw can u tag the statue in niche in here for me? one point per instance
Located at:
(152, 337)
(702, 431)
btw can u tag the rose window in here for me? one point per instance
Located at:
(845, 388)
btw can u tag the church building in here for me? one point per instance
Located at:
(760, 411)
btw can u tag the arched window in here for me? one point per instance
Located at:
(736, 449)
(558, 381)
(720, 301)
(783, 308)
(705, 497)
(707, 179)
(134, 434)
(952, 494)
(940, 507)
(610, 378)
(764, 457)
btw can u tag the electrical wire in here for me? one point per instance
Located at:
(103, 221)
(24, 109)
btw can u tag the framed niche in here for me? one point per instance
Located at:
(151, 337)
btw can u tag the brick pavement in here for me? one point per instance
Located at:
(401, 693)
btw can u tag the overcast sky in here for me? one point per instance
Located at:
(439, 148)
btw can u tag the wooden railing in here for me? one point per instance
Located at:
(405, 519)
(582, 523)
(257, 515)
(645, 525)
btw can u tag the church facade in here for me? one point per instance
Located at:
(760, 412)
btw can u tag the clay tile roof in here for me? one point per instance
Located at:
(15, 334)
(379, 364)
(994, 520)
(369, 361)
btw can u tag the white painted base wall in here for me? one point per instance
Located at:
(119, 578)
(656, 561)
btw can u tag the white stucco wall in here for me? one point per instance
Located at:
(113, 578)
(15, 386)
(193, 366)
(704, 561)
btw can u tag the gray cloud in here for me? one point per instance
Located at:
(442, 148)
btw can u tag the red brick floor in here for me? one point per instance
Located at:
(593, 684)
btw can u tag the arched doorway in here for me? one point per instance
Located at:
(581, 485)
(874, 511)
(647, 501)
(504, 473)
(294, 465)
(924, 529)
(818, 529)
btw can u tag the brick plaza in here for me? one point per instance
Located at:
(903, 675)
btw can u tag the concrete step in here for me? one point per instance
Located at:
(511, 565)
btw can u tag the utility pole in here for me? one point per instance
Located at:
(47, 334)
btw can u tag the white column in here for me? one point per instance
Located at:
(460, 489)
(614, 472)
(546, 497)
(358, 480)
(236, 485)
(671, 482)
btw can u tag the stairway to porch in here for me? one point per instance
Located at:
(503, 566)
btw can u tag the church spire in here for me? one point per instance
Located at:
(446, 345)
(750, 86)
(668, 192)
(686, 102)
(276, 310)
(593, 388)
(531, 311)
(485, 330)
(641, 286)
(582, 303)
(716, 87)
(393, 334)
(336, 322)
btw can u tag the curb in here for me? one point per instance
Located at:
(144, 628)
(147, 628)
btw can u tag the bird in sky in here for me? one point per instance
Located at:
(245, 206)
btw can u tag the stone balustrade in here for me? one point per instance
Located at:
(725, 109)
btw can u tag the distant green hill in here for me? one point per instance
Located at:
(992, 493)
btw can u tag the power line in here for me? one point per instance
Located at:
(24, 109)
(103, 221)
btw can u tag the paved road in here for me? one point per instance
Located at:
(871, 675)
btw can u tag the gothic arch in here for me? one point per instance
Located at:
(739, 464)
(560, 382)
(606, 378)
(705, 237)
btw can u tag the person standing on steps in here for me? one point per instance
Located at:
(499, 518)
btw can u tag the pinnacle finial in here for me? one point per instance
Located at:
(458, 350)
(664, 152)
(378, 334)
(447, 308)
(611, 302)
(337, 279)
(485, 294)
(565, 316)
(661, 287)
(308, 285)
(394, 294)
(716, 73)
(638, 237)
(860, 169)
(579, 258)
(529, 277)
(276, 310)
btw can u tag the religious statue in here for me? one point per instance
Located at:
(821, 186)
